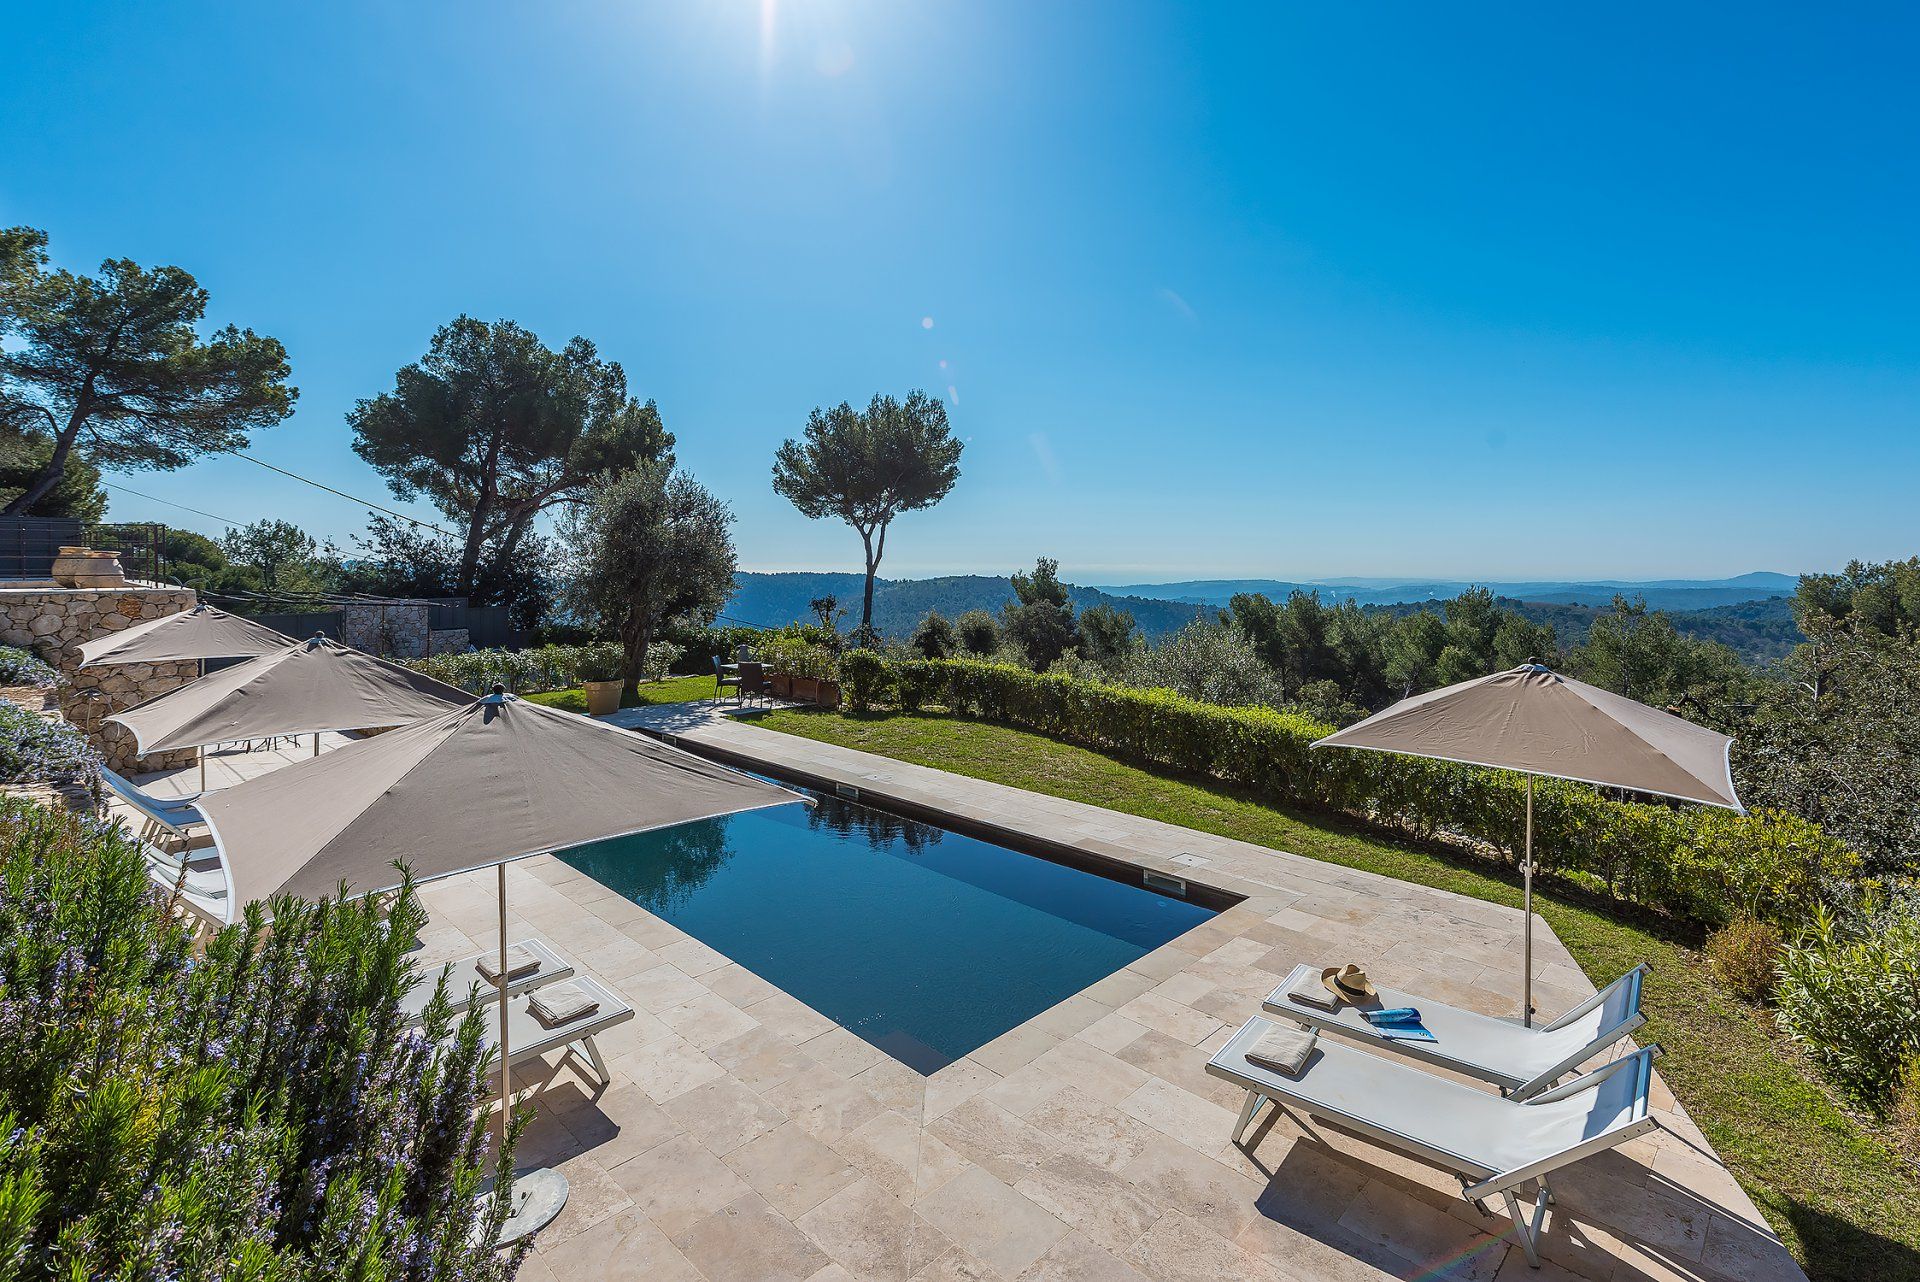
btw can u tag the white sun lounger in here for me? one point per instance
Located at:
(160, 814)
(1521, 1061)
(467, 986)
(1493, 1145)
(529, 1038)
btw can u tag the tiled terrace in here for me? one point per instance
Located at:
(746, 1136)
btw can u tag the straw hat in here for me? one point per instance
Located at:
(1349, 982)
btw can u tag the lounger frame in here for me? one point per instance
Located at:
(1477, 1181)
(468, 987)
(1511, 1085)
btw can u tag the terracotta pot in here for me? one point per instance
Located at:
(88, 568)
(782, 684)
(829, 694)
(603, 698)
(806, 689)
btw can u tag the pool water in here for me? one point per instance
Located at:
(927, 943)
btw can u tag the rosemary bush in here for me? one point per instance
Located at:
(260, 1111)
(20, 668)
(37, 749)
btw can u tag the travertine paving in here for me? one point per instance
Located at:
(745, 1136)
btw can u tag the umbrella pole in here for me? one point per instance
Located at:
(201, 752)
(505, 1072)
(1526, 987)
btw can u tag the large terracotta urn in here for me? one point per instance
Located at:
(88, 568)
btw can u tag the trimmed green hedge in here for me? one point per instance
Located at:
(1703, 865)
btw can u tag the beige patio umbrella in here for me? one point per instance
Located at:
(303, 687)
(1537, 722)
(479, 786)
(202, 633)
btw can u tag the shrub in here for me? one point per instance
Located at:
(1700, 865)
(783, 652)
(20, 668)
(978, 632)
(935, 637)
(37, 749)
(864, 679)
(1746, 956)
(1851, 995)
(258, 1111)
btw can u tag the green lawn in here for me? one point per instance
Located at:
(672, 690)
(1846, 1203)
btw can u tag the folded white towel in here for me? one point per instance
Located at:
(1283, 1049)
(521, 961)
(1314, 993)
(561, 1004)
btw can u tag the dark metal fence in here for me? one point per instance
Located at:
(139, 545)
(28, 544)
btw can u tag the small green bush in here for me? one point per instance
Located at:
(1746, 957)
(864, 679)
(20, 668)
(257, 1111)
(1851, 995)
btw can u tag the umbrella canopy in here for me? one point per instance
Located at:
(1536, 721)
(479, 785)
(200, 633)
(301, 688)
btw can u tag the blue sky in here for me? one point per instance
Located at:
(1488, 291)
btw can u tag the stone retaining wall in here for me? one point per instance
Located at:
(55, 622)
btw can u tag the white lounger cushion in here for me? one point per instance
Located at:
(1470, 1130)
(528, 1038)
(465, 984)
(1493, 1050)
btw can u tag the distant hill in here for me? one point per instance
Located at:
(1661, 594)
(774, 600)
(1758, 624)
(1758, 631)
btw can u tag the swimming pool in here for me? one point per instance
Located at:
(925, 942)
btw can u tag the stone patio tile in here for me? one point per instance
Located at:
(1180, 1114)
(738, 985)
(693, 957)
(1074, 1259)
(706, 1020)
(1092, 1129)
(1424, 1237)
(994, 1223)
(824, 1104)
(668, 1067)
(1088, 1068)
(1065, 1019)
(1182, 1023)
(872, 1234)
(627, 1247)
(1176, 1249)
(790, 1017)
(1119, 988)
(839, 1051)
(678, 1184)
(955, 1084)
(723, 1115)
(1111, 1212)
(620, 1123)
(983, 1132)
(1014, 1049)
(661, 988)
(1184, 1180)
(592, 1196)
(955, 1265)
(749, 1239)
(900, 1156)
(760, 1059)
(1111, 1033)
(1185, 1066)
(791, 1169)
(896, 1086)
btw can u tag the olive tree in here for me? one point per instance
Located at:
(867, 467)
(112, 367)
(650, 544)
